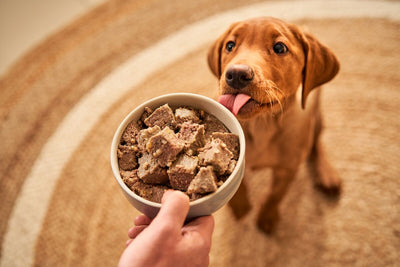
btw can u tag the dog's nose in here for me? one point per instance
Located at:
(239, 76)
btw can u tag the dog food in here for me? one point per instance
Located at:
(183, 149)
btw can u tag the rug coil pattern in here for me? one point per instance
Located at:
(62, 101)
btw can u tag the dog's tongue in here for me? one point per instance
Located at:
(234, 102)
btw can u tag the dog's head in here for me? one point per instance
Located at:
(262, 62)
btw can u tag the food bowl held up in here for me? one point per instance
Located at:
(205, 205)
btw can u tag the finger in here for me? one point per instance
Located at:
(136, 230)
(203, 225)
(142, 220)
(174, 208)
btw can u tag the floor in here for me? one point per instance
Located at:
(25, 23)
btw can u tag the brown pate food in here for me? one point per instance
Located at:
(184, 149)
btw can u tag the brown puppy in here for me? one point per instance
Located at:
(266, 70)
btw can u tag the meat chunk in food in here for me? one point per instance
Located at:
(150, 192)
(182, 172)
(150, 172)
(129, 135)
(216, 154)
(192, 134)
(144, 135)
(127, 159)
(129, 177)
(204, 182)
(186, 115)
(164, 146)
(231, 140)
(162, 117)
(213, 125)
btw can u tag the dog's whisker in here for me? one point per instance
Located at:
(272, 92)
(278, 101)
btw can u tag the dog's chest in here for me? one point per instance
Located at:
(261, 150)
(283, 142)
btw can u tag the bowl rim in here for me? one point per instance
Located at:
(128, 118)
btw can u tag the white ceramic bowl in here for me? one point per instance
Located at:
(207, 204)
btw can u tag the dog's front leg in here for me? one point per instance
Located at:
(240, 203)
(326, 177)
(269, 213)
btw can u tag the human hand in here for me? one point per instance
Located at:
(165, 240)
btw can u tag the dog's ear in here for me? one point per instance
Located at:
(214, 52)
(321, 65)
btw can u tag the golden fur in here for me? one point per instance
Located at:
(282, 121)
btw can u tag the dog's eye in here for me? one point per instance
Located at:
(280, 48)
(229, 46)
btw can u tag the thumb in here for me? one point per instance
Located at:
(173, 212)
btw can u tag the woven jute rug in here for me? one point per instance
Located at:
(61, 103)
